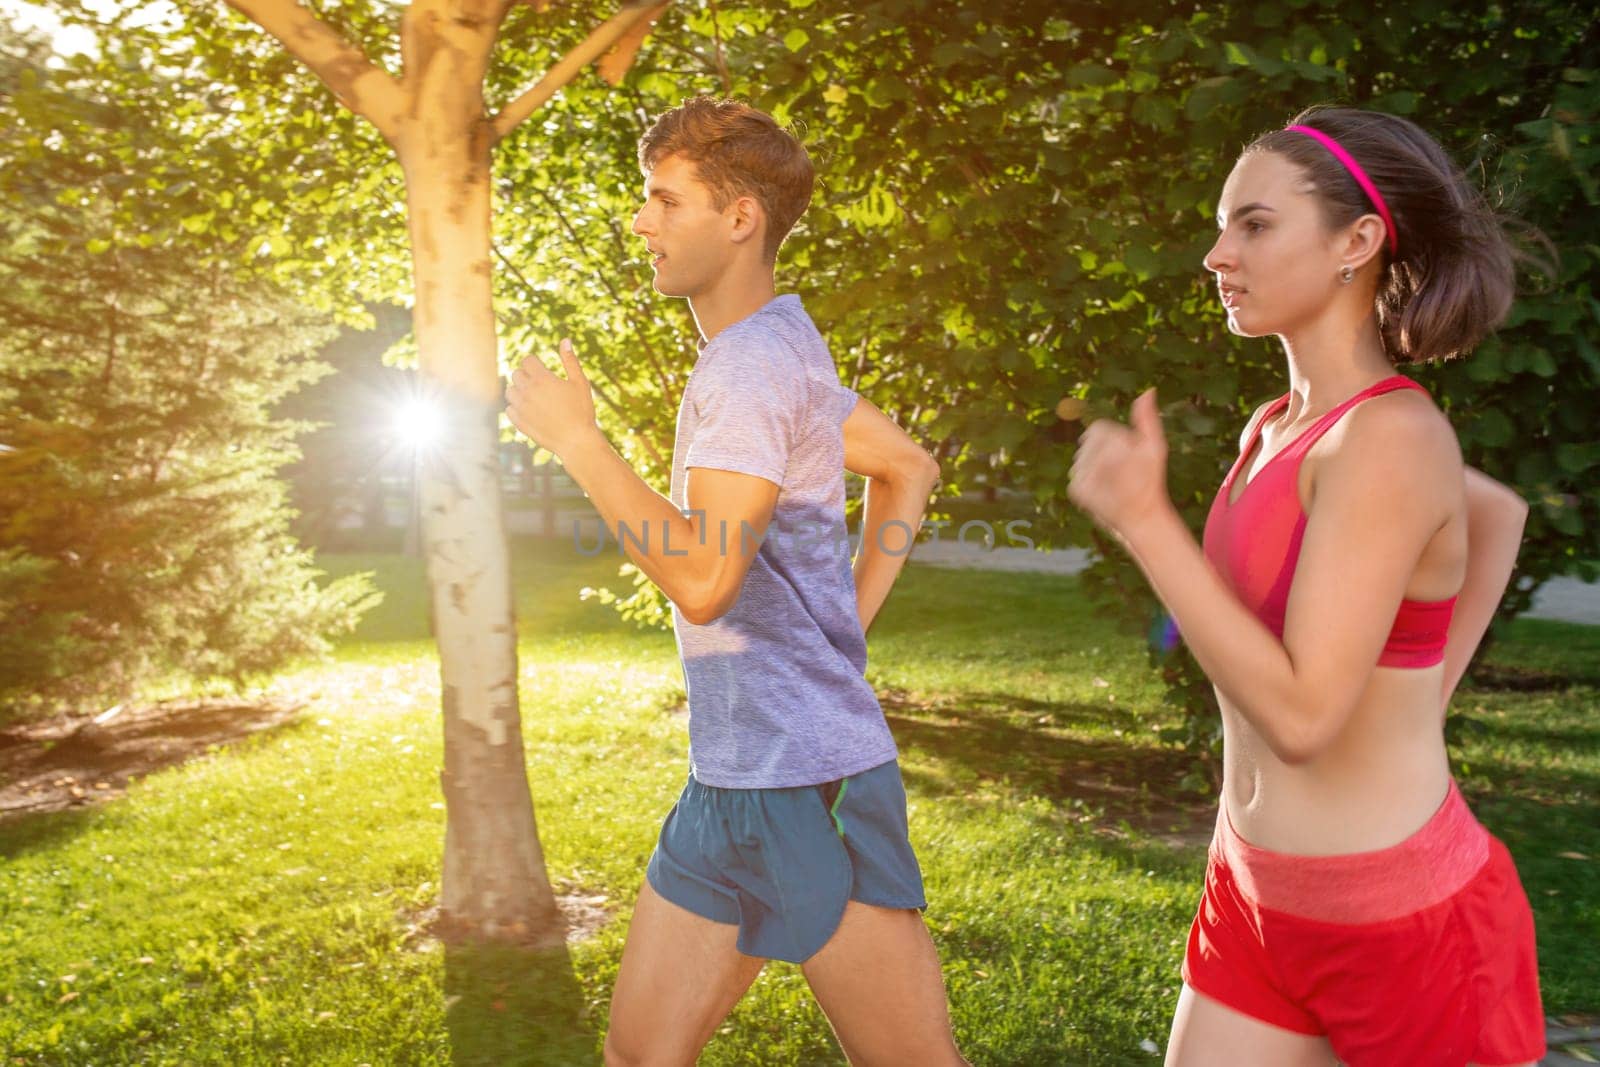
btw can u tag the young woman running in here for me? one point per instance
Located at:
(1353, 907)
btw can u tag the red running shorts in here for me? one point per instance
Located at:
(1421, 954)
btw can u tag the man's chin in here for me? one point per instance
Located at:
(666, 288)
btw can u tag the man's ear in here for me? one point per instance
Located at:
(749, 219)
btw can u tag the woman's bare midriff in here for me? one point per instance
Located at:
(1379, 782)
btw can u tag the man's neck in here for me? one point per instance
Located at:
(735, 297)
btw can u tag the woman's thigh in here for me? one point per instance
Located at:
(1207, 1033)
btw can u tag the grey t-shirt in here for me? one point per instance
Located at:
(777, 693)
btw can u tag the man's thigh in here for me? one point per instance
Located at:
(878, 981)
(681, 974)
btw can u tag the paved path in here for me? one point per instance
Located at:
(1573, 1042)
(1565, 599)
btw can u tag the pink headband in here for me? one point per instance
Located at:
(1358, 174)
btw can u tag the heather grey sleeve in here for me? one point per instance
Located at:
(843, 401)
(750, 398)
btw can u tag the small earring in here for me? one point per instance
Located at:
(1347, 274)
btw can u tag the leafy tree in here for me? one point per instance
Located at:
(324, 187)
(143, 529)
(1014, 201)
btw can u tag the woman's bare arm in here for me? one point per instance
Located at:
(1495, 517)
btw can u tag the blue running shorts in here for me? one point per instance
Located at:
(781, 863)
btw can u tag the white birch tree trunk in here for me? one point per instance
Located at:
(494, 882)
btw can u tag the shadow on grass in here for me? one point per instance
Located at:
(20, 834)
(1118, 786)
(1529, 777)
(1517, 678)
(1481, 729)
(509, 1006)
(1003, 706)
(53, 773)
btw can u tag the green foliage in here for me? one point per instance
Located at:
(644, 606)
(143, 531)
(1524, 123)
(1524, 402)
(258, 162)
(1013, 203)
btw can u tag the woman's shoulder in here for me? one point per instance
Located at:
(1400, 428)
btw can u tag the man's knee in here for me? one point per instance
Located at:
(625, 1050)
(623, 1053)
(930, 1052)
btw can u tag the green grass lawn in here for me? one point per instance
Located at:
(262, 905)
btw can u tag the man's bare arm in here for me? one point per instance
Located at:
(900, 476)
(700, 560)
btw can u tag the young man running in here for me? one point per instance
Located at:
(789, 840)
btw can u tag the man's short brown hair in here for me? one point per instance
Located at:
(736, 151)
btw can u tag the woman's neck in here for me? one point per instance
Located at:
(1331, 361)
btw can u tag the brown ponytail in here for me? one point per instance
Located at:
(1451, 279)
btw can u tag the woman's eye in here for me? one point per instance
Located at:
(1252, 226)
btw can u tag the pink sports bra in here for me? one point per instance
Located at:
(1254, 541)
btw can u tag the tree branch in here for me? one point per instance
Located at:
(358, 84)
(722, 58)
(668, 393)
(709, 65)
(593, 47)
(599, 390)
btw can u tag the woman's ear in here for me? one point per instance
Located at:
(1366, 239)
